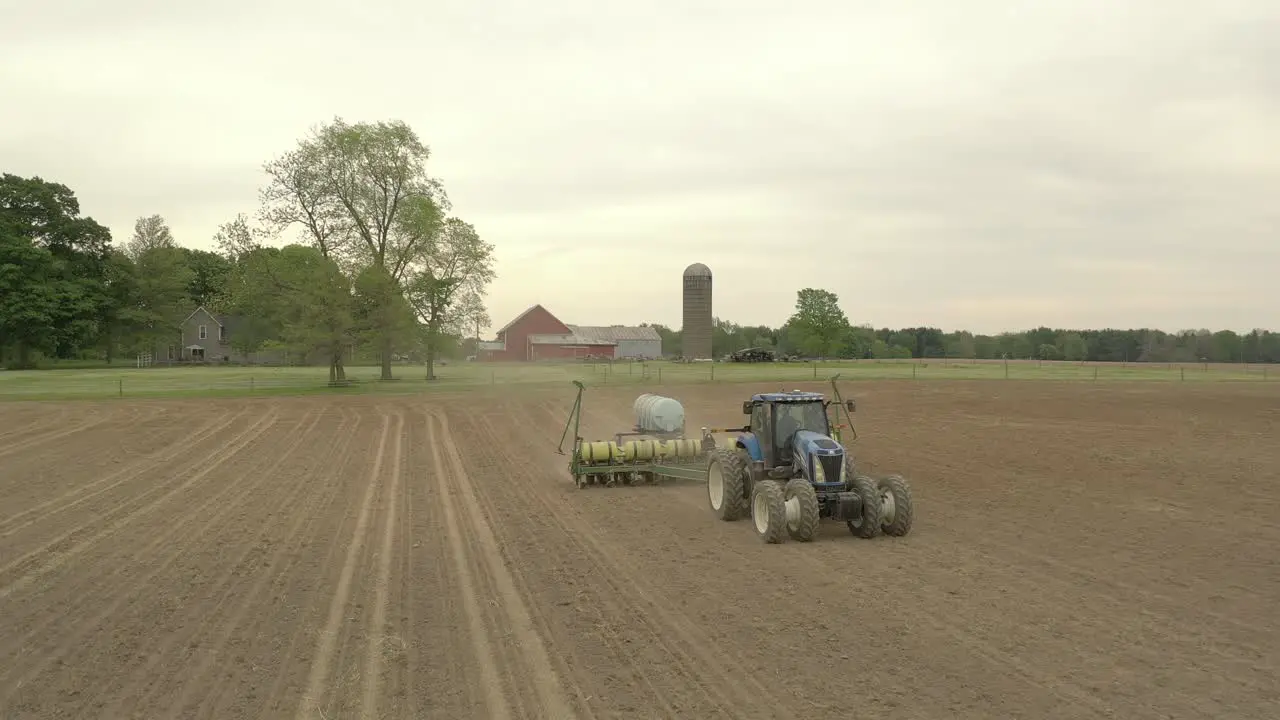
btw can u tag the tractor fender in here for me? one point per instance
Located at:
(751, 444)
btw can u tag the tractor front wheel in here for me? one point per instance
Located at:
(726, 482)
(867, 525)
(769, 511)
(896, 513)
(802, 510)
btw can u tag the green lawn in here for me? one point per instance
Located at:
(199, 381)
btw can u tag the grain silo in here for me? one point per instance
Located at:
(695, 341)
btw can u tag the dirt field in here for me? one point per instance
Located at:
(1079, 551)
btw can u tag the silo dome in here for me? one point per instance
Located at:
(697, 270)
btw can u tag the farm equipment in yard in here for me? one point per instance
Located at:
(788, 469)
(657, 449)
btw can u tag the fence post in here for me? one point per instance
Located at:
(659, 374)
(913, 370)
(1006, 369)
(120, 384)
(493, 377)
(713, 371)
(250, 383)
(815, 370)
(1095, 373)
(1183, 373)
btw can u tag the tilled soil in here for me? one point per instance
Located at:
(1079, 550)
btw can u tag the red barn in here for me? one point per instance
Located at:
(536, 334)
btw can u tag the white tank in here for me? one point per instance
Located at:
(658, 414)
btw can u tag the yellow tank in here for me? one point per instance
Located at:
(638, 450)
(601, 451)
(682, 448)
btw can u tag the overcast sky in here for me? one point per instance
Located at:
(976, 164)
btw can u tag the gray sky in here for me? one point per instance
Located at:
(980, 164)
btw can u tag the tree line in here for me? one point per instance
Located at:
(819, 328)
(372, 261)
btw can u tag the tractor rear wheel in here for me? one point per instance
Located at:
(896, 513)
(769, 511)
(726, 483)
(802, 509)
(868, 525)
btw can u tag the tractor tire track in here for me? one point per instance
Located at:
(127, 514)
(179, 536)
(35, 427)
(382, 586)
(326, 648)
(964, 636)
(625, 598)
(279, 500)
(308, 589)
(721, 685)
(202, 695)
(461, 500)
(495, 702)
(458, 675)
(43, 438)
(83, 493)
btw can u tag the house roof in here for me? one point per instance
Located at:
(206, 312)
(613, 334)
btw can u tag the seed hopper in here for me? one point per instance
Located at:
(655, 449)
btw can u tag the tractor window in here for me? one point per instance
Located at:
(759, 416)
(792, 417)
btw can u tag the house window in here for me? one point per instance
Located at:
(222, 333)
(204, 332)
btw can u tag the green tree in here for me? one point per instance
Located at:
(117, 318)
(960, 345)
(354, 186)
(160, 302)
(384, 319)
(28, 301)
(209, 273)
(149, 233)
(818, 325)
(883, 350)
(1072, 346)
(294, 296)
(71, 298)
(446, 286)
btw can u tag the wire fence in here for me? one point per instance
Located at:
(200, 381)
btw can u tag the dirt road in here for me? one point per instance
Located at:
(1079, 551)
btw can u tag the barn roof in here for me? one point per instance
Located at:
(571, 339)
(522, 316)
(613, 334)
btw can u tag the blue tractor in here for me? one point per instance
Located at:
(788, 469)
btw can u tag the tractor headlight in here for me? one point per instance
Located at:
(819, 475)
(844, 471)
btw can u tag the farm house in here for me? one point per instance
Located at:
(536, 334)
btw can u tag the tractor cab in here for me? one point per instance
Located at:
(793, 430)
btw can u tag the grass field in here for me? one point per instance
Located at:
(237, 381)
